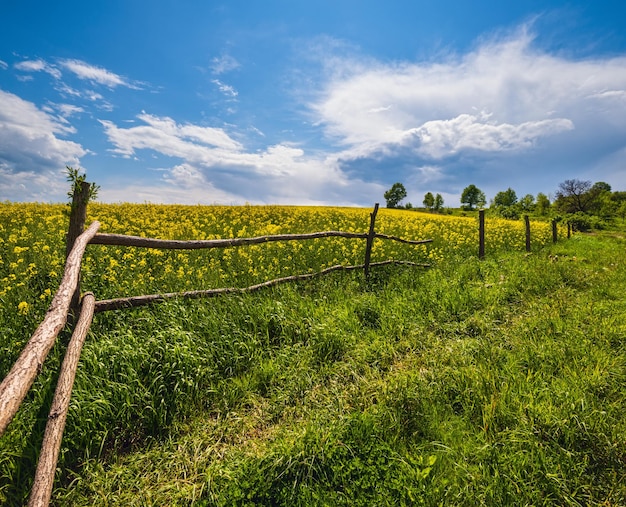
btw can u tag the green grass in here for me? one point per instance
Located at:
(495, 382)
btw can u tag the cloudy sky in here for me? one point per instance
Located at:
(310, 102)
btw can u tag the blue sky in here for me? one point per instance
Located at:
(294, 102)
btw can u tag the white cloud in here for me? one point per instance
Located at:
(164, 135)
(528, 95)
(30, 143)
(215, 166)
(4, 65)
(96, 74)
(227, 90)
(442, 138)
(222, 64)
(69, 109)
(38, 65)
(505, 113)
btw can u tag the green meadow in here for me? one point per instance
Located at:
(473, 382)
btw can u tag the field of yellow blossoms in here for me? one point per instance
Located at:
(32, 246)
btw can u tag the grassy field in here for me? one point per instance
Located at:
(494, 382)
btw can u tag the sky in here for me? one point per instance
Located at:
(325, 102)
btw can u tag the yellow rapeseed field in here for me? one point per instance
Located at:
(32, 246)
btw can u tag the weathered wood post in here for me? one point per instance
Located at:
(554, 232)
(481, 234)
(78, 217)
(370, 240)
(527, 224)
(569, 230)
(51, 445)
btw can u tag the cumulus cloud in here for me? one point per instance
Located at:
(164, 135)
(30, 139)
(33, 154)
(442, 138)
(506, 100)
(218, 168)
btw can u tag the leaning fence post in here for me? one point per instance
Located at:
(554, 233)
(370, 240)
(78, 217)
(481, 234)
(527, 224)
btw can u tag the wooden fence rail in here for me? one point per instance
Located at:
(171, 244)
(23, 373)
(135, 301)
(51, 445)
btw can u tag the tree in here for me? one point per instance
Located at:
(472, 196)
(601, 186)
(394, 195)
(573, 196)
(429, 201)
(506, 198)
(543, 204)
(527, 203)
(438, 202)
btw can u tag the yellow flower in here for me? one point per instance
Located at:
(23, 308)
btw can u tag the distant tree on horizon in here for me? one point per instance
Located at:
(506, 198)
(574, 195)
(472, 196)
(394, 195)
(429, 201)
(542, 205)
(438, 202)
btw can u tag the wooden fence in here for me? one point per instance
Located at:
(68, 307)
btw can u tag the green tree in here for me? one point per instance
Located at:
(527, 203)
(573, 196)
(506, 198)
(472, 196)
(394, 195)
(438, 202)
(429, 201)
(543, 204)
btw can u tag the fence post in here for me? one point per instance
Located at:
(78, 217)
(527, 223)
(569, 230)
(370, 240)
(481, 233)
(554, 233)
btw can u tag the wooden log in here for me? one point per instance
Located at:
(51, 445)
(21, 376)
(136, 301)
(370, 240)
(78, 217)
(527, 226)
(170, 244)
(481, 234)
(407, 241)
(555, 236)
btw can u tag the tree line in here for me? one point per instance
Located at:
(583, 204)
